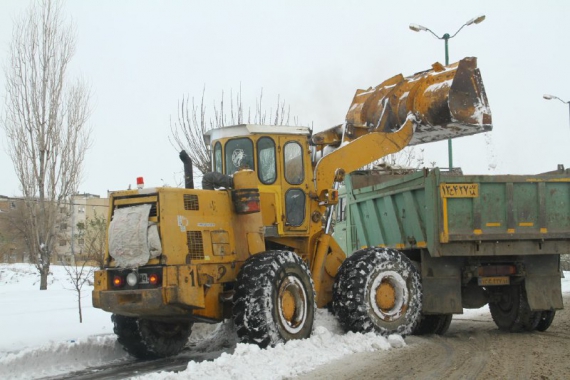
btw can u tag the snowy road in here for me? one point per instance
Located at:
(473, 348)
(42, 339)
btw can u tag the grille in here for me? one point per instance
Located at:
(195, 244)
(190, 202)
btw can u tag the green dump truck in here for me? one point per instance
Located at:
(476, 239)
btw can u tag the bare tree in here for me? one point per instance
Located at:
(79, 273)
(94, 234)
(192, 122)
(407, 159)
(45, 122)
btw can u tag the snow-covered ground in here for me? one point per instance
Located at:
(42, 336)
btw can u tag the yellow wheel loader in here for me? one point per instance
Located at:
(254, 244)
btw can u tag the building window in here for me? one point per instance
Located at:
(62, 243)
(81, 241)
(63, 226)
(12, 205)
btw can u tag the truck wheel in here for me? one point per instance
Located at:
(433, 324)
(378, 289)
(274, 299)
(148, 339)
(510, 309)
(546, 318)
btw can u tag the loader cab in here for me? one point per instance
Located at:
(280, 157)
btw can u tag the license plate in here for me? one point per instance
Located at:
(143, 278)
(491, 281)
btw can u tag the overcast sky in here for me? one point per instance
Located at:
(141, 57)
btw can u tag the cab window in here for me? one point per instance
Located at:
(267, 163)
(293, 157)
(295, 207)
(239, 155)
(218, 157)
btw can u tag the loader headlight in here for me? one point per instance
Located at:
(132, 279)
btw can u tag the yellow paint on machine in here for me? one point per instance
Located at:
(526, 224)
(493, 224)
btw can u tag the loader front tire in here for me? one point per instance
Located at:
(274, 299)
(510, 309)
(149, 339)
(378, 289)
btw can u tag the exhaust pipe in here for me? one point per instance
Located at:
(188, 170)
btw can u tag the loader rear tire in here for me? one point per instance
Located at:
(274, 299)
(546, 318)
(149, 339)
(378, 289)
(510, 309)
(433, 324)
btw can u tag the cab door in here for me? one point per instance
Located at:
(294, 159)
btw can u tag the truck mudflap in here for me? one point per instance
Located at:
(441, 282)
(542, 282)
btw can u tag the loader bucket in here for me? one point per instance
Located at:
(446, 102)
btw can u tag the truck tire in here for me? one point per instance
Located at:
(546, 318)
(378, 289)
(274, 299)
(148, 339)
(433, 324)
(510, 309)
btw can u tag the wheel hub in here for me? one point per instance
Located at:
(388, 295)
(385, 296)
(292, 304)
(288, 305)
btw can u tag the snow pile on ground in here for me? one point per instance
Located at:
(42, 337)
(58, 358)
(41, 334)
(293, 358)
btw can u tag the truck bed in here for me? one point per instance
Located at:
(461, 215)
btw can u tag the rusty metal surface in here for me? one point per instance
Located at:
(446, 102)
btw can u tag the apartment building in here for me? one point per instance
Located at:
(74, 217)
(13, 247)
(69, 243)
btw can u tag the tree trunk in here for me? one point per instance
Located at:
(43, 277)
(79, 306)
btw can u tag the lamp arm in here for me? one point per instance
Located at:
(458, 30)
(435, 35)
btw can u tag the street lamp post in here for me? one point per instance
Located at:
(446, 37)
(550, 97)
